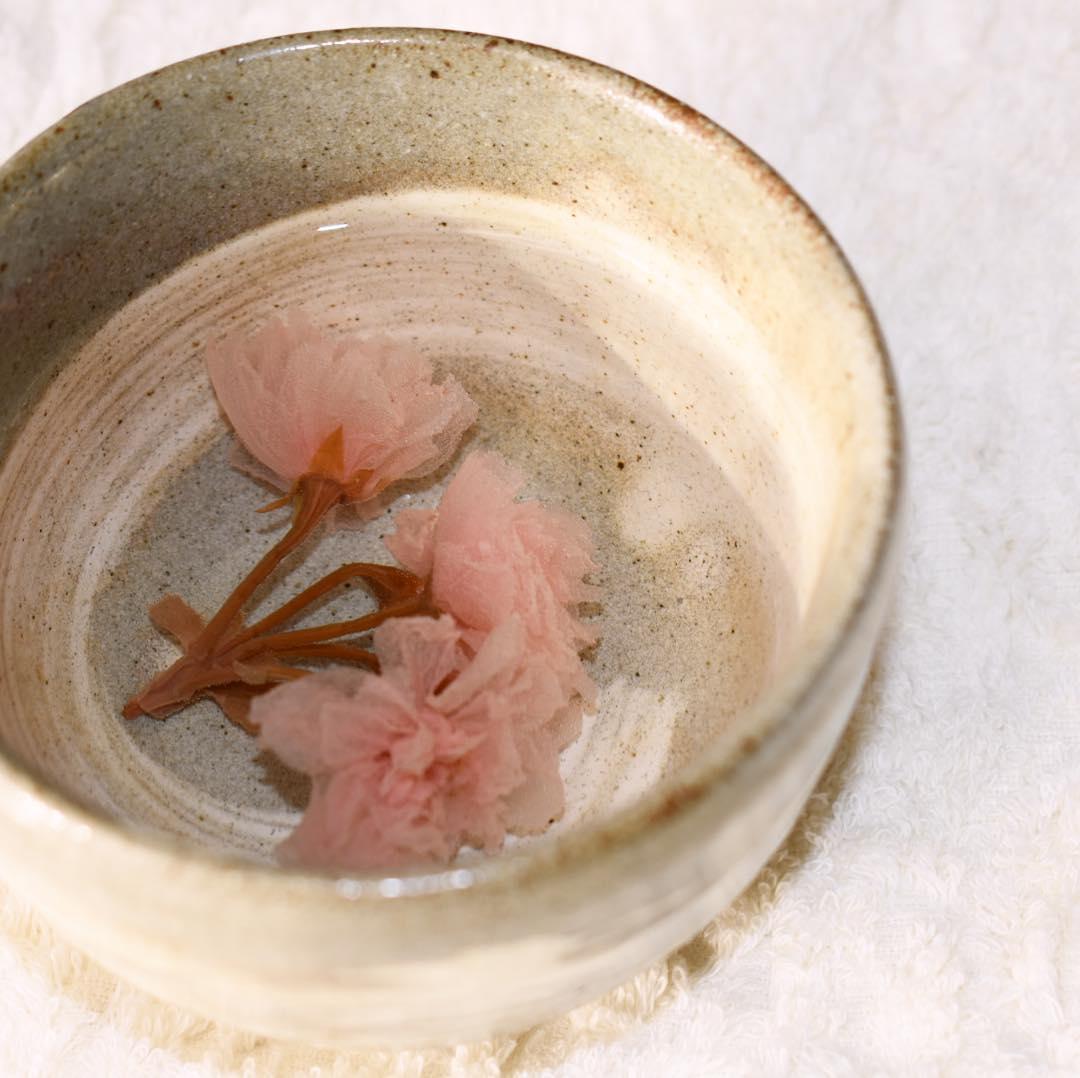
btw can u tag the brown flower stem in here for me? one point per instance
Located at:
(178, 685)
(222, 656)
(280, 672)
(317, 495)
(393, 582)
(286, 642)
(235, 701)
(347, 653)
(247, 655)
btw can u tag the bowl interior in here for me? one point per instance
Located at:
(656, 337)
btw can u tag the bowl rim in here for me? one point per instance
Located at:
(673, 799)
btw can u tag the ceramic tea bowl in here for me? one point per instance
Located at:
(656, 329)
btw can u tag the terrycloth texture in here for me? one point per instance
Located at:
(925, 916)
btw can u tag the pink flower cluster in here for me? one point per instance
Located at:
(477, 641)
(288, 389)
(456, 741)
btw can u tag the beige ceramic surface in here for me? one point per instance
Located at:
(655, 328)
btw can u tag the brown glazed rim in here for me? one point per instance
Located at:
(718, 770)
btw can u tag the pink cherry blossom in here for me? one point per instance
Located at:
(443, 748)
(490, 557)
(288, 390)
(413, 543)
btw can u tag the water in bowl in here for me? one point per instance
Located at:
(622, 382)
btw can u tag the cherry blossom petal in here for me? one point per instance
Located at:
(413, 542)
(288, 388)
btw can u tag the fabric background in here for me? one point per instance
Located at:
(924, 917)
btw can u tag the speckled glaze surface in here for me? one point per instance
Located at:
(655, 328)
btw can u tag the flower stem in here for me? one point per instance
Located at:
(392, 582)
(286, 643)
(342, 652)
(317, 495)
(223, 656)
